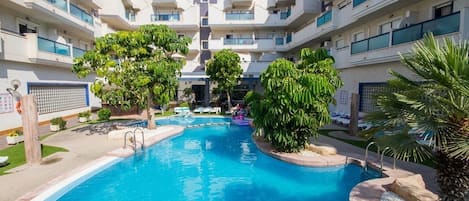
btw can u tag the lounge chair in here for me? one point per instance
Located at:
(198, 110)
(3, 161)
(179, 110)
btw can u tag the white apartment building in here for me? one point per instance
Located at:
(39, 39)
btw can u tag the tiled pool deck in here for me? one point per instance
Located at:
(28, 181)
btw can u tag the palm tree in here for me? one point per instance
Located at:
(438, 104)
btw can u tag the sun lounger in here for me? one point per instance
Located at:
(3, 161)
(198, 110)
(179, 110)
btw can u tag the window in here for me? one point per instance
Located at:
(358, 36)
(340, 43)
(26, 26)
(389, 26)
(443, 9)
(204, 21)
(205, 45)
(343, 97)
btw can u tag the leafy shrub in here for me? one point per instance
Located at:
(86, 114)
(104, 114)
(184, 104)
(59, 121)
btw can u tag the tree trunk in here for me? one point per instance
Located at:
(452, 177)
(150, 116)
(229, 100)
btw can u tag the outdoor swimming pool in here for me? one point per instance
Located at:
(214, 163)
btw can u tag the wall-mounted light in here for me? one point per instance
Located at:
(12, 91)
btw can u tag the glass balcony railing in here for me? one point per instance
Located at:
(279, 41)
(443, 25)
(238, 41)
(327, 17)
(81, 14)
(357, 2)
(166, 17)
(77, 52)
(359, 46)
(285, 14)
(51, 46)
(239, 16)
(62, 4)
(375, 42)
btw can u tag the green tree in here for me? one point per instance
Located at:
(296, 98)
(438, 105)
(225, 70)
(135, 67)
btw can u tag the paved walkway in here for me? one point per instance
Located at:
(82, 147)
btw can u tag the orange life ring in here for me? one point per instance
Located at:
(18, 107)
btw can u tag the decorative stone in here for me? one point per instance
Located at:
(412, 188)
(322, 149)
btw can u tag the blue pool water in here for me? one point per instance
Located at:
(214, 163)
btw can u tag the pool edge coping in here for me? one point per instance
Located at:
(373, 187)
(54, 186)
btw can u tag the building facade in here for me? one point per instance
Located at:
(40, 38)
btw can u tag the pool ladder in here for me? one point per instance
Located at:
(366, 154)
(382, 159)
(134, 139)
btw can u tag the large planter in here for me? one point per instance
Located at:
(15, 139)
(83, 119)
(54, 127)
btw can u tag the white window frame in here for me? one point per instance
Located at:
(356, 33)
(203, 1)
(341, 47)
(379, 31)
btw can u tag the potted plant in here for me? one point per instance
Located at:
(15, 137)
(84, 116)
(57, 124)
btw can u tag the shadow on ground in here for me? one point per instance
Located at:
(101, 128)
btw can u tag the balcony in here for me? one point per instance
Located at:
(325, 18)
(241, 3)
(49, 52)
(165, 3)
(383, 48)
(74, 10)
(253, 45)
(440, 26)
(77, 52)
(81, 14)
(373, 43)
(165, 17)
(239, 16)
(285, 14)
(51, 46)
(238, 41)
(357, 2)
(62, 13)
